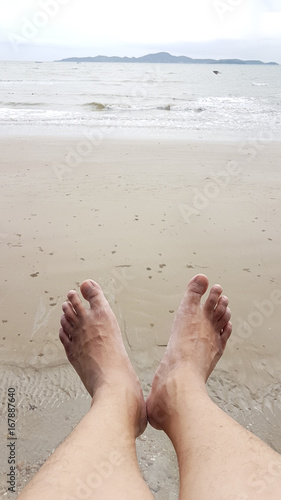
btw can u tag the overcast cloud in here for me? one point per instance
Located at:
(53, 29)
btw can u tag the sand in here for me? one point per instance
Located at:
(141, 218)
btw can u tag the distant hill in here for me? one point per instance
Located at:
(160, 57)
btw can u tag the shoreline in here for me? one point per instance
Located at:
(133, 136)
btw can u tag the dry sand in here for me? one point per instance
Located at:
(141, 218)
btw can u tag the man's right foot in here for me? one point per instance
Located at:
(198, 339)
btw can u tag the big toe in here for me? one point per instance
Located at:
(196, 288)
(91, 291)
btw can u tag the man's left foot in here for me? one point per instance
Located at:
(94, 346)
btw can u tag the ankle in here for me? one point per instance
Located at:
(125, 401)
(187, 407)
(183, 383)
(170, 403)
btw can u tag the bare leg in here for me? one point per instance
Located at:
(98, 460)
(218, 459)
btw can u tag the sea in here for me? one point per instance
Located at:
(141, 100)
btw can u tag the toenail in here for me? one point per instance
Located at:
(90, 285)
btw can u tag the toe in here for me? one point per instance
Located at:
(92, 292)
(70, 314)
(213, 299)
(221, 308)
(66, 325)
(196, 288)
(226, 332)
(76, 303)
(221, 324)
(64, 338)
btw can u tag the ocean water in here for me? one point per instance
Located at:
(147, 100)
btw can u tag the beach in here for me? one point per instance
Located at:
(141, 217)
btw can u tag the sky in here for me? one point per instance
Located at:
(55, 29)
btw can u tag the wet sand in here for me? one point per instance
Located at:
(141, 218)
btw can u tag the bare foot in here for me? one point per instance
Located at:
(94, 346)
(198, 339)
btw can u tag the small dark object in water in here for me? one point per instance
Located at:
(217, 72)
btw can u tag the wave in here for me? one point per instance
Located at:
(99, 106)
(21, 104)
(126, 106)
(96, 105)
(165, 108)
